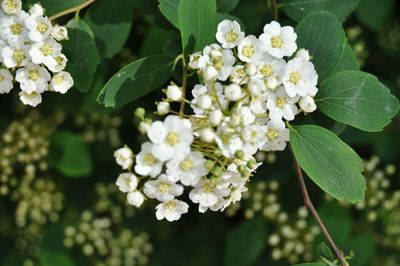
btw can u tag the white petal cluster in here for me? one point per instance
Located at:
(252, 87)
(30, 53)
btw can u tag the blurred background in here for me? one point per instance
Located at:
(59, 205)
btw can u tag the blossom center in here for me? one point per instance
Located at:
(272, 134)
(186, 164)
(59, 79)
(248, 51)
(208, 187)
(218, 63)
(231, 36)
(11, 5)
(1, 78)
(164, 187)
(294, 77)
(266, 71)
(42, 27)
(280, 102)
(16, 29)
(33, 75)
(18, 56)
(276, 42)
(170, 205)
(172, 139)
(46, 49)
(149, 159)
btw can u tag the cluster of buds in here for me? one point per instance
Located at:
(30, 52)
(252, 86)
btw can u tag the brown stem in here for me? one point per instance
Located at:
(72, 10)
(274, 7)
(308, 203)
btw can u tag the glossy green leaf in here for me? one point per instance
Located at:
(169, 8)
(136, 80)
(111, 22)
(82, 54)
(298, 9)
(323, 36)
(73, 155)
(198, 24)
(226, 6)
(329, 162)
(348, 61)
(249, 236)
(358, 99)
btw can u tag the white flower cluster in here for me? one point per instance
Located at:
(249, 91)
(30, 48)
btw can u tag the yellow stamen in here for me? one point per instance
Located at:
(276, 42)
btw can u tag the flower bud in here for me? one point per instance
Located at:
(204, 102)
(124, 157)
(233, 92)
(215, 117)
(140, 112)
(256, 87)
(174, 93)
(135, 198)
(210, 73)
(307, 104)
(127, 182)
(163, 108)
(272, 83)
(207, 135)
(239, 154)
(302, 53)
(143, 127)
(251, 70)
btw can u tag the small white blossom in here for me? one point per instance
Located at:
(135, 198)
(15, 55)
(233, 92)
(45, 52)
(281, 105)
(174, 93)
(277, 135)
(127, 182)
(163, 108)
(33, 78)
(61, 82)
(300, 78)
(36, 10)
(207, 135)
(39, 27)
(12, 29)
(59, 33)
(171, 210)
(209, 193)
(215, 117)
(307, 104)
(218, 59)
(124, 157)
(11, 7)
(279, 41)
(250, 49)
(229, 33)
(32, 99)
(6, 81)
(162, 189)
(197, 60)
(146, 163)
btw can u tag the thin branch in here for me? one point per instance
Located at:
(274, 7)
(72, 10)
(184, 85)
(308, 203)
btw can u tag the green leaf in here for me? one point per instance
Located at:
(198, 24)
(73, 155)
(53, 7)
(52, 257)
(82, 54)
(226, 6)
(245, 243)
(325, 251)
(358, 99)
(298, 9)
(348, 61)
(374, 14)
(169, 8)
(323, 36)
(111, 22)
(136, 80)
(329, 162)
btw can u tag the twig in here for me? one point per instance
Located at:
(184, 84)
(274, 7)
(308, 203)
(72, 10)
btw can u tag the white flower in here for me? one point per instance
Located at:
(15, 55)
(219, 59)
(135, 198)
(204, 102)
(44, 52)
(163, 108)
(302, 53)
(256, 87)
(61, 82)
(277, 135)
(171, 210)
(143, 127)
(174, 93)
(6, 81)
(12, 29)
(207, 135)
(271, 68)
(188, 169)
(281, 105)
(36, 10)
(33, 78)
(197, 60)
(39, 27)
(229, 145)
(146, 163)
(124, 157)
(162, 189)
(208, 193)
(300, 78)
(250, 49)
(59, 33)
(127, 182)
(32, 99)
(11, 7)
(279, 41)
(238, 75)
(215, 117)
(307, 104)
(61, 62)
(170, 137)
(229, 33)
(210, 73)
(233, 92)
